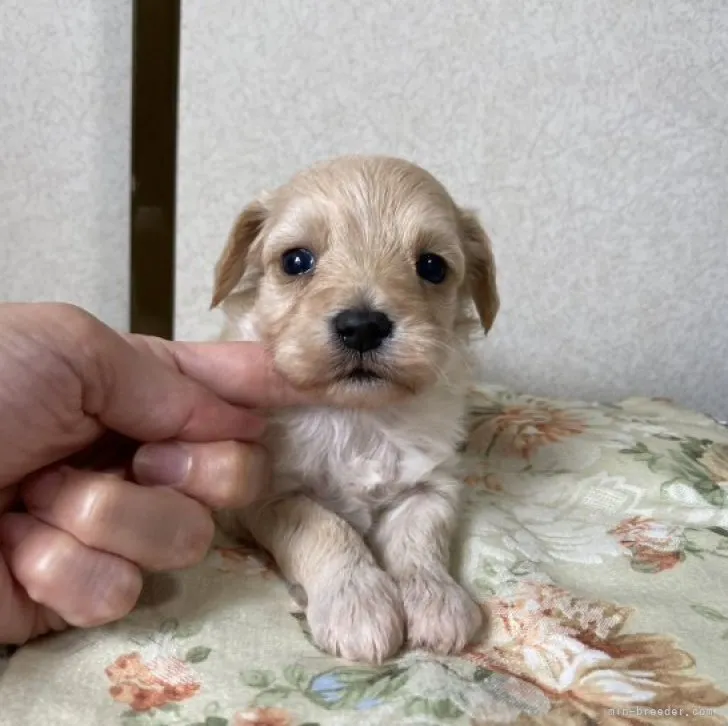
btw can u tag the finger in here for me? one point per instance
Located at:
(136, 390)
(83, 586)
(242, 373)
(20, 618)
(71, 377)
(221, 475)
(155, 528)
(139, 392)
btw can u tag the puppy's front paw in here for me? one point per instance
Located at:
(357, 616)
(441, 616)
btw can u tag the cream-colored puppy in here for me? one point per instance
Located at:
(359, 275)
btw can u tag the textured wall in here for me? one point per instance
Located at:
(65, 73)
(592, 135)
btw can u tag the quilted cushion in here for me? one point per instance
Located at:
(596, 536)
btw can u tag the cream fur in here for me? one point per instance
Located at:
(364, 500)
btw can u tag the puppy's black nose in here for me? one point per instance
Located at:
(362, 329)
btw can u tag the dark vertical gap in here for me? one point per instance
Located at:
(155, 74)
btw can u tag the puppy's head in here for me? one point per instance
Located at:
(359, 275)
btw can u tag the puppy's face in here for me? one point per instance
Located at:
(359, 274)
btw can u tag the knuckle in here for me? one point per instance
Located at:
(76, 338)
(90, 510)
(65, 311)
(85, 587)
(81, 323)
(42, 567)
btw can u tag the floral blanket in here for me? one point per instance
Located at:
(595, 535)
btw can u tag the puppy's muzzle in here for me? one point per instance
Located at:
(362, 329)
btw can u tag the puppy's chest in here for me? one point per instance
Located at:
(353, 463)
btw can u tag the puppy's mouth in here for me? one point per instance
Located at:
(361, 375)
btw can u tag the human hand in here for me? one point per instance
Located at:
(75, 535)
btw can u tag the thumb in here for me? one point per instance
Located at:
(240, 372)
(66, 378)
(134, 386)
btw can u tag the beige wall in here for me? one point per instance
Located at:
(591, 134)
(65, 73)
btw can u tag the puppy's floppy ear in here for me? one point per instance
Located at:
(231, 265)
(480, 269)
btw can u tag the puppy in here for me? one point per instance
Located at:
(359, 275)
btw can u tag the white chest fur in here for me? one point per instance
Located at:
(355, 462)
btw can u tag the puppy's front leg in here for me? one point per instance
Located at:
(353, 607)
(412, 541)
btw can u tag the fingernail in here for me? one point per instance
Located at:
(162, 464)
(41, 491)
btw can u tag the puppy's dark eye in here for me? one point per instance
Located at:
(432, 268)
(298, 262)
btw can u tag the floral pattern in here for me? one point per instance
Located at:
(575, 651)
(530, 434)
(150, 685)
(592, 536)
(263, 717)
(654, 546)
(523, 430)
